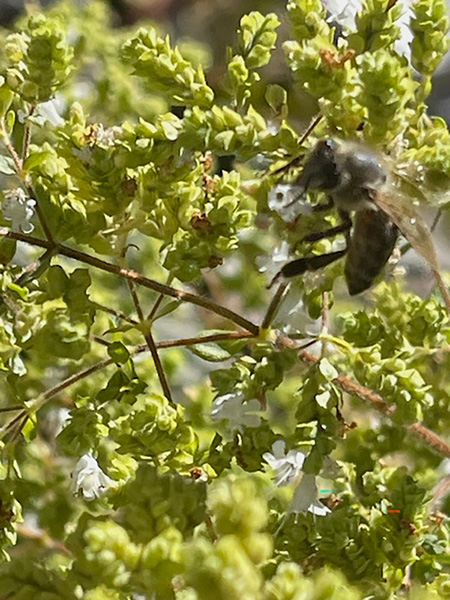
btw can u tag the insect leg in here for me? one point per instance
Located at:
(320, 235)
(344, 227)
(310, 263)
(320, 207)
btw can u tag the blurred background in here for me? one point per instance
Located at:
(202, 20)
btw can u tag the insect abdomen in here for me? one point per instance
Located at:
(370, 246)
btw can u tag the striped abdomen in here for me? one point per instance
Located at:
(371, 244)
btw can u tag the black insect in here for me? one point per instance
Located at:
(357, 181)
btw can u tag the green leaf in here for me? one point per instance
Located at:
(57, 281)
(211, 352)
(35, 159)
(7, 165)
(118, 352)
(6, 98)
(7, 250)
(327, 370)
(29, 430)
(276, 97)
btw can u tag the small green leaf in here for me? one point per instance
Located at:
(35, 159)
(20, 291)
(167, 309)
(322, 399)
(7, 250)
(57, 281)
(6, 97)
(118, 353)
(29, 429)
(276, 97)
(211, 352)
(327, 370)
(7, 165)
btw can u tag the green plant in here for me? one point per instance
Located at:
(263, 477)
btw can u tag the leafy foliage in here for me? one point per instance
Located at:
(216, 446)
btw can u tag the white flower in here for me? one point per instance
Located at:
(18, 209)
(285, 199)
(305, 498)
(52, 109)
(288, 466)
(344, 12)
(271, 265)
(106, 137)
(89, 479)
(292, 315)
(239, 414)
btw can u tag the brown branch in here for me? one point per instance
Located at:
(273, 306)
(116, 313)
(136, 278)
(151, 345)
(215, 337)
(27, 135)
(44, 539)
(11, 408)
(158, 301)
(34, 269)
(433, 441)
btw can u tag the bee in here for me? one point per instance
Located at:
(357, 182)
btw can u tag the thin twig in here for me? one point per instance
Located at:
(136, 302)
(160, 298)
(44, 539)
(304, 137)
(151, 345)
(36, 268)
(273, 306)
(136, 278)
(116, 313)
(27, 135)
(99, 340)
(325, 320)
(215, 337)
(432, 440)
(11, 408)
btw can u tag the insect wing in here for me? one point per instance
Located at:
(415, 230)
(410, 223)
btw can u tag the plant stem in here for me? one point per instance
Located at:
(27, 135)
(135, 277)
(273, 306)
(304, 137)
(160, 298)
(116, 313)
(151, 345)
(432, 440)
